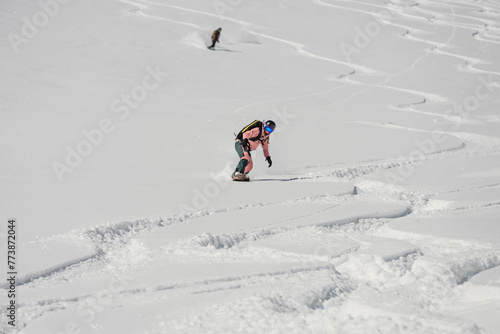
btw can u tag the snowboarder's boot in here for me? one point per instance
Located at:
(241, 177)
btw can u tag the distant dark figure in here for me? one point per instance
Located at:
(215, 37)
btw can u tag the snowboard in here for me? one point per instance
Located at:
(210, 48)
(241, 178)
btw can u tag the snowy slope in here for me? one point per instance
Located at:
(379, 214)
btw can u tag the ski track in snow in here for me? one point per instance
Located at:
(436, 47)
(328, 282)
(465, 259)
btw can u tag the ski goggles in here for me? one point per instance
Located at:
(268, 129)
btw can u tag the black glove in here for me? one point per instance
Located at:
(268, 159)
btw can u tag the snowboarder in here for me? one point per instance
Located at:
(215, 37)
(248, 139)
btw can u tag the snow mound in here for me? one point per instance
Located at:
(194, 39)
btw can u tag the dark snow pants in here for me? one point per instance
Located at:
(245, 165)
